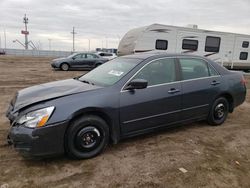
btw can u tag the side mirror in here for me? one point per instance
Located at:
(73, 58)
(137, 84)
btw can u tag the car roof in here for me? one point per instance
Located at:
(147, 55)
(154, 55)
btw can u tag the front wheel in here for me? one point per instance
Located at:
(87, 137)
(64, 67)
(218, 112)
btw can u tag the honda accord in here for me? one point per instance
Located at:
(124, 97)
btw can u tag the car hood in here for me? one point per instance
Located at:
(59, 59)
(49, 91)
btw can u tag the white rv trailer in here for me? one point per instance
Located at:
(230, 49)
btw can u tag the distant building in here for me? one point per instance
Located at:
(109, 50)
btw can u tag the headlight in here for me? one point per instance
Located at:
(36, 118)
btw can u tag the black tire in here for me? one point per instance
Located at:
(86, 137)
(218, 112)
(97, 65)
(64, 66)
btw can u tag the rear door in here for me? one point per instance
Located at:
(200, 85)
(157, 105)
(91, 60)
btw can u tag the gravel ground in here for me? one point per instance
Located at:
(193, 155)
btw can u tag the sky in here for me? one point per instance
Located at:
(102, 23)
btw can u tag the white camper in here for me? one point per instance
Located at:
(230, 49)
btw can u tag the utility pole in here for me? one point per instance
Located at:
(49, 44)
(26, 32)
(89, 44)
(4, 39)
(73, 33)
(106, 42)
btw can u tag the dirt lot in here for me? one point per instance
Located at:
(212, 156)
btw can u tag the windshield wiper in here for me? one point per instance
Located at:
(87, 82)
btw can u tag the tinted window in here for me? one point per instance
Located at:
(161, 45)
(245, 44)
(158, 72)
(193, 68)
(188, 44)
(212, 44)
(243, 55)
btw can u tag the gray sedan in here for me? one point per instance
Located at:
(125, 97)
(78, 60)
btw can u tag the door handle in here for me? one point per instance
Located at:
(173, 90)
(214, 83)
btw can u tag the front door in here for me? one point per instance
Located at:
(157, 105)
(77, 61)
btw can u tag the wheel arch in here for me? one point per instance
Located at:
(230, 100)
(114, 133)
(64, 63)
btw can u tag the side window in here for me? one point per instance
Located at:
(78, 56)
(188, 44)
(91, 56)
(212, 44)
(245, 44)
(212, 71)
(243, 55)
(193, 68)
(161, 44)
(158, 72)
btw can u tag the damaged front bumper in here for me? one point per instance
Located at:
(38, 142)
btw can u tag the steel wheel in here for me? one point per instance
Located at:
(65, 67)
(218, 112)
(86, 137)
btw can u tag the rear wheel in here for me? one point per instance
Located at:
(218, 112)
(97, 65)
(64, 67)
(87, 137)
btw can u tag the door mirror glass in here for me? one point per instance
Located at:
(137, 84)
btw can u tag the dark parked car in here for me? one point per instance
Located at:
(78, 60)
(127, 96)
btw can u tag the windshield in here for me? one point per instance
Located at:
(111, 72)
(72, 55)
